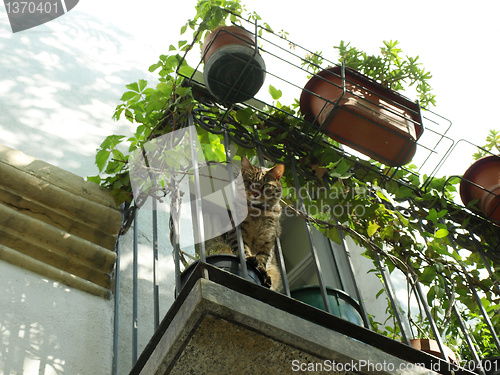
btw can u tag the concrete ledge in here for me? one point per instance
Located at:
(56, 224)
(18, 259)
(216, 329)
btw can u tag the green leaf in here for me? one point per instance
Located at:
(432, 216)
(427, 275)
(342, 167)
(164, 88)
(333, 234)
(128, 115)
(431, 295)
(171, 62)
(118, 155)
(372, 228)
(186, 70)
(439, 267)
(381, 195)
(118, 111)
(153, 67)
(405, 192)
(182, 91)
(275, 93)
(133, 86)
(128, 96)
(95, 179)
(111, 141)
(440, 233)
(120, 196)
(142, 84)
(101, 159)
(442, 213)
(387, 232)
(379, 293)
(244, 116)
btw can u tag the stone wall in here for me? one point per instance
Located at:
(54, 223)
(57, 252)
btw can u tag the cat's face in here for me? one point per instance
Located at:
(262, 185)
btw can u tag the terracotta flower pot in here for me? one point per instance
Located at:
(482, 181)
(234, 71)
(367, 117)
(432, 347)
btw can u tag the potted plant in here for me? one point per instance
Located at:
(363, 111)
(342, 305)
(362, 114)
(431, 346)
(481, 181)
(302, 274)
(227, 262)
(234, 70)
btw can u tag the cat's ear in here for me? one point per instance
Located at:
(245, 165)
(277, 171)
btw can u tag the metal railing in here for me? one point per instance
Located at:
(341, 260)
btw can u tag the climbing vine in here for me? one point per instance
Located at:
(419, 231)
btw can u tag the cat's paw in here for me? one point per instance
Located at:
(253, 261)
(265, 276)
(266, 279)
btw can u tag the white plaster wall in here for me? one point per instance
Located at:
(59, 85)
(47, 328)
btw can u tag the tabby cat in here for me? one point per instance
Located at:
(262, 225)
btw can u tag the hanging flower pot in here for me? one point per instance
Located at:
(342, 305)
(234, 70)
(363, 114)
(432, 347)
(482, 182)
(226, 262)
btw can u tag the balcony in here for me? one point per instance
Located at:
(218, 322)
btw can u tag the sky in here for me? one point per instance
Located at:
(455, 40)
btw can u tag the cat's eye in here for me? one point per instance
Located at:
(267, 187)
